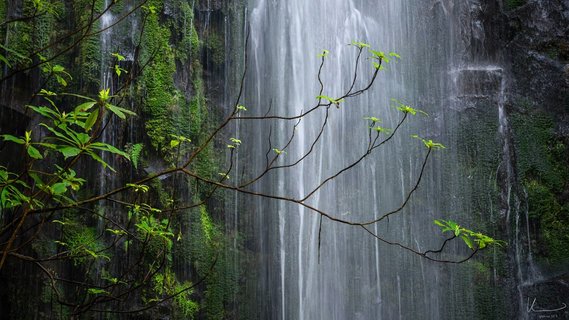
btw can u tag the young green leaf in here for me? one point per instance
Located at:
(174, 143)
(324, 54)
(360, 45)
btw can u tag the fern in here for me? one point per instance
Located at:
(134, 152)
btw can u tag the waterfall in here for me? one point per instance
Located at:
(106, 22)
(312, 269)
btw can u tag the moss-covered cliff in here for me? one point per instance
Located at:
(165, 61)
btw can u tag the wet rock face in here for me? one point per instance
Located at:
(537, 46)
(209, 5)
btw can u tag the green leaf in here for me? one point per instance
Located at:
(85, 106)
(46, 112)
(457, 230)
(95, 291)
(14, 52)
(174, 143)
(324, 54)
(104, 95)
(83, 138)
(429, 143)
(3, 175)
(395, 55)
(58, 188)
(34, 153)
(467, 240)
(8, 137)
(360, 45)
(112, 149)
(120, 112)
(118, 56)
(117, 70)
(4, 60)
(69, 151)
(373, 119)
(279, 152)
(116, 232)
(381, 129)
(58, 68)
(116, 111)
(101, 161)
(61, 80)
(331, 100)
(91, 120)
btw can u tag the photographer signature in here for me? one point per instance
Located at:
(534, 308)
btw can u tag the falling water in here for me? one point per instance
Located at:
(337, 271)
(106, 83)
(106, 21)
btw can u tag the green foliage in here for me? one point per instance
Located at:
(406, 109)
(207, 248)
(360, 45)
(330, 100)
(70, 135)
(429, 143)
(83, 243)
(165, 285)
(134, 152)
(553, 221)
(215, 48)
(513, 4)
(544, 169)
(374, 125)
(324, 54)
(474, 240)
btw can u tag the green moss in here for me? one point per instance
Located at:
(83, 243)
(215, 46)
(165, 284)
(189, 45)
(513, 4)
(543, 166)
(207, 247)
(157, 82)
(552, 218)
